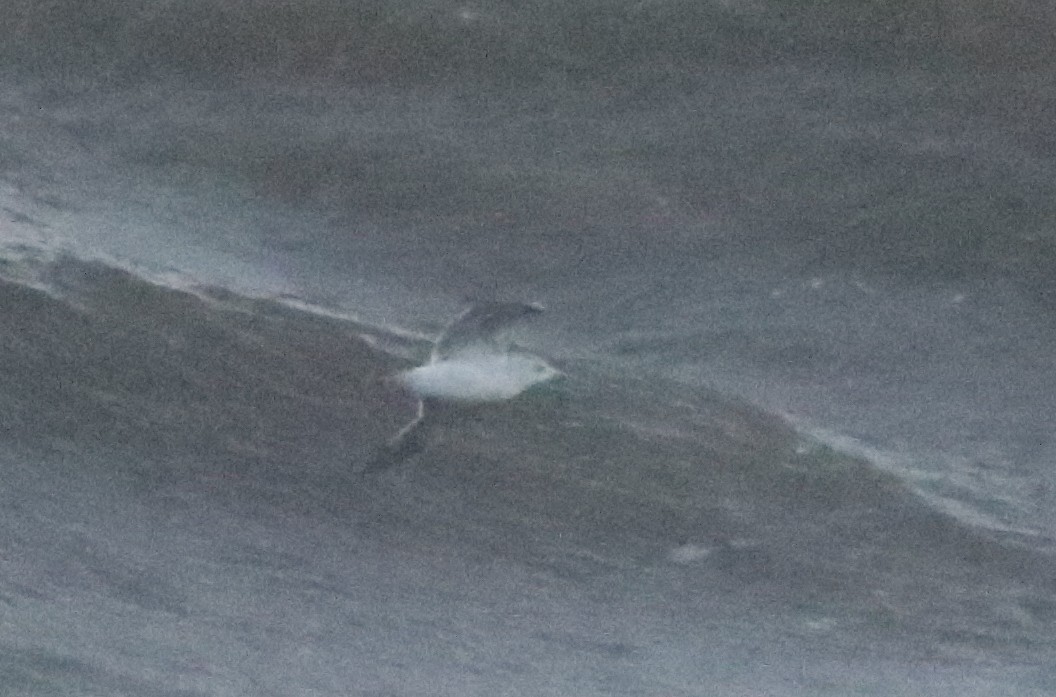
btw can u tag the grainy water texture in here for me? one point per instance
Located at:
(798, 265)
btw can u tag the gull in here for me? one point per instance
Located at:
(469, 364)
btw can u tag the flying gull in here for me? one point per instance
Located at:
(470, 364)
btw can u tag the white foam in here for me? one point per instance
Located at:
(951, 484)
(689, 553)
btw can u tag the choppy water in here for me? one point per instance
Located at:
(804, 303)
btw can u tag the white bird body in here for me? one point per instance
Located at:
(478, 377)
(468, 365)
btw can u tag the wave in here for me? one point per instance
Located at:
(168, 430)
(977, 497)
(108, 358)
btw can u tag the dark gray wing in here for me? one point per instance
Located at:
(409, 441)
(480, 325)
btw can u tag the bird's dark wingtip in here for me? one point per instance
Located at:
(409, 441)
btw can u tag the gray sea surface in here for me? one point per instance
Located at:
(797, 263)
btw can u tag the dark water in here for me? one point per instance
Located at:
(797, 261)
(182, 516)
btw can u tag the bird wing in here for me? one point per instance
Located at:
(409, 441)
(479, 328)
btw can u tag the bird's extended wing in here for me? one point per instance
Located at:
(479, 326)
(409, 441)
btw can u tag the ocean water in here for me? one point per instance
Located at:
(798, 275)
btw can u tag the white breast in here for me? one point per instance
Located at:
(478, 378)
